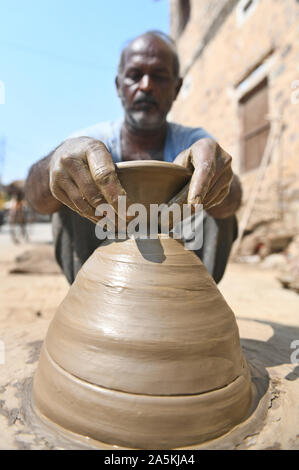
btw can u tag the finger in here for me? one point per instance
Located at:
(181, 197)
(74, 194)
(218, 200)
(222, 186)
(206, 158)
(201, 180)
(225, 169)
(183, 159)
(63, 197)
(201, 159)
(103, 173)
(79, 172)
(70, 196)
(85, 186)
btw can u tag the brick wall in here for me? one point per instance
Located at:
(219, 49)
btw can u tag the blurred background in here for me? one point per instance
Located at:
(240, 64)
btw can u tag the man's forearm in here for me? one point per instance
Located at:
(37, 190)
(231, 203)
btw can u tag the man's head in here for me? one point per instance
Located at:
(148, 80)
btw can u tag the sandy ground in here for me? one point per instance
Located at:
(267, 316)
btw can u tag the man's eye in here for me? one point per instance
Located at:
(135, 76)
(161, 77)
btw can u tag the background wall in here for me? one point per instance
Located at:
(225, 49)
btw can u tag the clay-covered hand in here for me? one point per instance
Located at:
(212, 173)
(82, 176)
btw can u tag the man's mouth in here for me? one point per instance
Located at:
(144, 105)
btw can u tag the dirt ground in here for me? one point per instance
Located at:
(267, 316)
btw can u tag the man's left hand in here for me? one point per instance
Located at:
(212, 172)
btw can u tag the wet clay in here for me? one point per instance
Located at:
(144, 350)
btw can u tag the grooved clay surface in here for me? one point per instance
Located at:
(146, 317)
(144, 351)
(137, 421)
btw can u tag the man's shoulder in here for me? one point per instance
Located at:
(179, 131)
(104, 131)
(182, 137)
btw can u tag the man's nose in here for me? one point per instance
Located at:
(145, 83)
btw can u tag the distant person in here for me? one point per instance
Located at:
(18, 217)
(80, 173)
(2, 207)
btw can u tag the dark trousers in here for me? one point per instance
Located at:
(218, 238)
(75, 241)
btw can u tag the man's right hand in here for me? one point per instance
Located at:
(82, 175)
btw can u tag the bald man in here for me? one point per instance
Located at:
(80, 173)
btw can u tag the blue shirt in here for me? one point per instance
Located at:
(178, 138)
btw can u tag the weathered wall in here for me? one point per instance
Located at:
(217, 53)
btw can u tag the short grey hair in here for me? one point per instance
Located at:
(166, 38)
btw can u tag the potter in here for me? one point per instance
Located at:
(81, 172)
(144, 351)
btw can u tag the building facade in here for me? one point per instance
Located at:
(240, 64)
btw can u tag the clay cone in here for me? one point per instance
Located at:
(143, 352)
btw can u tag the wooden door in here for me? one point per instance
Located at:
(255, 126)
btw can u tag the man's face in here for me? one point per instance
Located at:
(147, 84)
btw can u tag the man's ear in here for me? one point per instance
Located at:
(117, 84)
(178, 87)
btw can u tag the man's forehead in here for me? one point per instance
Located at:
(150, 49)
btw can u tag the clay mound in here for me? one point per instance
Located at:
(144, 351)
(141, 356)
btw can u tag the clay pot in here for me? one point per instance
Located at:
(144, 352)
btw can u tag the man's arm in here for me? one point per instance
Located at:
(37, 188)
(231, 203)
